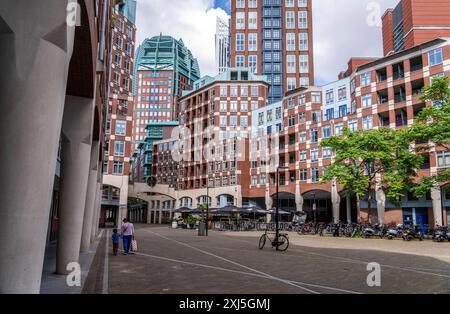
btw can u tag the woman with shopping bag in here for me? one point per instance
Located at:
(127, 236)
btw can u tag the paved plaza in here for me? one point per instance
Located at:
(178, 261)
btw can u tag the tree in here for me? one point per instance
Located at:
(367, 160)
(433, 125)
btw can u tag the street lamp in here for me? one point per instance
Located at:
(277, 227)
(207, 207)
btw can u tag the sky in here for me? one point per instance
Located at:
(342, 29)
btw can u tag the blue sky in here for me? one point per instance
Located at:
(224, 4)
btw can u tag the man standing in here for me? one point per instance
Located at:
(127, 235)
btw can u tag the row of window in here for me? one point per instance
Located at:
(244, 91)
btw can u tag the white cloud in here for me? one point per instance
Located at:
(341, 30)
(192, 20)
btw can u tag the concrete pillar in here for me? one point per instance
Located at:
(298, 198)
(349, 209)
(160, 216)
(381, 200)
(36, 47)
(91, 195)
(436, 198)
(97, 210)
(154, 216)
(76, 156)
(336, 201)
(269, 200)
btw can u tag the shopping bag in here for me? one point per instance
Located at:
(134, 246)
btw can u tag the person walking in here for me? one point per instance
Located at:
(116, 241)
(127, 235)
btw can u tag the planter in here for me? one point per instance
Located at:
(174, 225)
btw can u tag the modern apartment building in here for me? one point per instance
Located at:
(222, 45)
(164, 68)
(118, 146)
(274, 38)
(413, 22)
(379, 93)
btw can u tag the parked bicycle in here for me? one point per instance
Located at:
(282, 243)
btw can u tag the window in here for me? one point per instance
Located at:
(314, 136)
(253, 3)
(252, 20)
(303, 19)
(290, 41)
(338, 129)
(314, 155)
(240, 42)
(223, 121)
(304, 64)
(302, 3)
(244, 106)
(253, 63)
(240, 61)
(234, 91)
(291, 83)
(368, 123)
(435, 57)
(326, 152)
(365, 79)
(443, 159)
(244, 121)
(302, 137)
(233, 180)
(223, 91)
(302, 117)
(240, 4)
(342, 93)
(315, 175)
(254, 180)
(366, 101)
(289, 3)
(119, 148)
(121, 127)
(255, 91)
(118, 167)
(223, 106)
(303, 41)
(290, 20)
(233, 106)
(326, 130)
(304, 81)
(353, 125)
(303, 155)
(329, 96)
(291, 64)
(240, 20)
(316, 117)
(303, 174)
(252, 42)
(291, 121)
(261, 118)
(302, 99)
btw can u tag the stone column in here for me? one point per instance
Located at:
(160, 216)
(349, 209)
(381, 200)
(436, 198)
(91, 195)
(97, 211)
(36, 47)
(76, 155)
(336, 201)
(299, 201)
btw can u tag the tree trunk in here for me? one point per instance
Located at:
(358, 209)
(369, 206)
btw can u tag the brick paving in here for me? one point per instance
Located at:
(178, 261)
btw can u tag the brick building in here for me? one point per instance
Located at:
(413, 22)
(274, 38)
(119, 117)
(164, 68)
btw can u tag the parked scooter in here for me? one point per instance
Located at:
(375, 231)
(412, 233)
(441, 234)
(395, 232)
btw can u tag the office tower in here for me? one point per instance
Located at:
(274, 38)
(222, 45)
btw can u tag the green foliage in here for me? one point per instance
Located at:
(433, 124)
(363, 156)
(191, 220)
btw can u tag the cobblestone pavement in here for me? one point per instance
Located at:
(178, 261)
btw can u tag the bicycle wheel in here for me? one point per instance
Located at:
(262, 241)
(283, 243)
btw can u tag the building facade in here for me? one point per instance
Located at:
(164, 68)
(414, 22)
(274, 38)
(379, 93)
(118, 146)
(222, 45)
